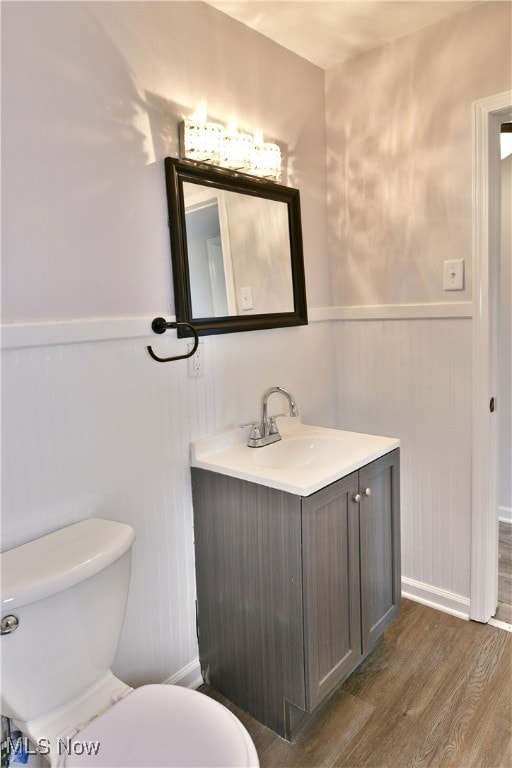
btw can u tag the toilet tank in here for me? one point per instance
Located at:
(68, 591)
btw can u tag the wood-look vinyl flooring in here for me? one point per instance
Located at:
(436, 691)
(504, 612)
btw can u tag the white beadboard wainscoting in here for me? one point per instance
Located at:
(411, 379)
(93, 429)
(92, 426)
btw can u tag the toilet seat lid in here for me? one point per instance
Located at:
(162, 726)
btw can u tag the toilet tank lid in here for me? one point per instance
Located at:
(61, 559)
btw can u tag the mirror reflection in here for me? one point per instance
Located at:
(238, 252)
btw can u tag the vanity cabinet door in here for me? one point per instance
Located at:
(330, 558)
(379, 522)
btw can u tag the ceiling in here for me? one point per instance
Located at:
(326, 33)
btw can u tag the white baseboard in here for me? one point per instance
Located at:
(505, 514)
(434, 597)
(188, 677)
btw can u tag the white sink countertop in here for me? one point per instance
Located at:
(305, 459)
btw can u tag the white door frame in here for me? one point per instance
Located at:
(488, 114)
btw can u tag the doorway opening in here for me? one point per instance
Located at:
(488, 116)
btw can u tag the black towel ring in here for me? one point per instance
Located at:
(160, 325)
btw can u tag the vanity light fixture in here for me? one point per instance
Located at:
(209, 142)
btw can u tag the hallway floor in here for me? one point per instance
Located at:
(504, 612)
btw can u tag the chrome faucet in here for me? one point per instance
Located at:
(265, 431)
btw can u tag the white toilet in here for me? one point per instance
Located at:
(63, 602)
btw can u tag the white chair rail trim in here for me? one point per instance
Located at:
(83, 330)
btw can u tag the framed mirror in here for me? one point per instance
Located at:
(236, 246)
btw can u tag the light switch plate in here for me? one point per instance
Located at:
(453, 275)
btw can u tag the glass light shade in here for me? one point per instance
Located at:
(237, 151)
(202, 140)
(266, 161)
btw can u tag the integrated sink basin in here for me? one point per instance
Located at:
(306, 458)
(298, 452)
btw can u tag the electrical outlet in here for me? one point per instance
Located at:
(246, 298)
(196, 362)
(453, 275)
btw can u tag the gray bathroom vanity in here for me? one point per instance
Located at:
(294, 587)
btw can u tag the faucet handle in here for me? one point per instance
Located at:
(255, 431)
(272, 426)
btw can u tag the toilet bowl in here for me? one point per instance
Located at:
(162, 725)
(63, 602)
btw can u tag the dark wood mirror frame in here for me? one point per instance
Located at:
(177, 172)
